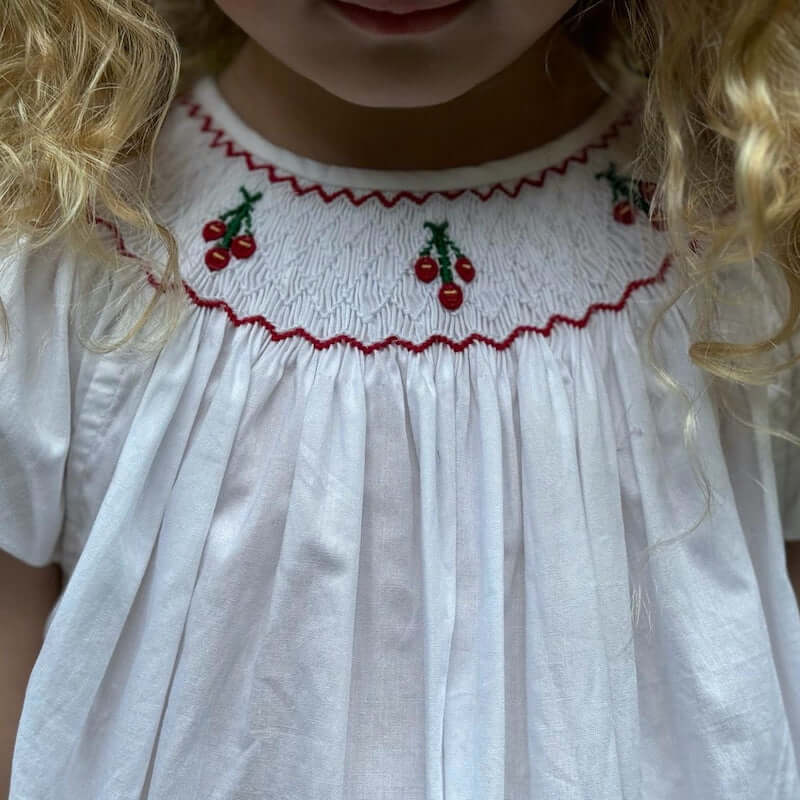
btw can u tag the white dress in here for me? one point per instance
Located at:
(371, 526)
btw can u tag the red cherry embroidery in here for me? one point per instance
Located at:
(231, 241)
(465, 269)
(243, 246)
(217, 258)
(628, 197)
(426, 266)
(450, 296)
(624, 213)
(213, 230)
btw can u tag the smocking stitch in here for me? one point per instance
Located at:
(226, 229)
(320, 344)
(427, 268)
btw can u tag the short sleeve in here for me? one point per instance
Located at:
(35, 401)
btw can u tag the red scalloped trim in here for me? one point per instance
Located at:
(322, 344)
(581, 157)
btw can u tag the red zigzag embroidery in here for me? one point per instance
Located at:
(581, 157)
(322, 344)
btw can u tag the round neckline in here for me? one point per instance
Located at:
(207, 95)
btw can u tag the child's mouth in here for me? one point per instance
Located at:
(387, 22)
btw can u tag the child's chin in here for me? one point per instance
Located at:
(386, 89)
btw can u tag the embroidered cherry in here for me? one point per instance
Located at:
(217, 258)
(450, 296)
(243, 246)
(465, 269)
(629, 197)
(214, 230)
(624, 213)
(426, 266)
(226, 229)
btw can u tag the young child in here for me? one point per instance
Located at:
(435, 458)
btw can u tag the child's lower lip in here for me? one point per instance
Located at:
(414, 22)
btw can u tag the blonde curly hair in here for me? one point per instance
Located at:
(87, 85)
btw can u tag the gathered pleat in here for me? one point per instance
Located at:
(571, 742)
(433, 407)
(181, 542)
(602, 501)
(321, 574)
(128, 523)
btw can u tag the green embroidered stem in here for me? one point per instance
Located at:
(441, 242)
(427, 266)
(452, 244)
(238, 215)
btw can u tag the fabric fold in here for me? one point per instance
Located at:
(432, 404)
(117, 557)
(751, 467)
(474, 713)
(297, 708)
(182, 541)
(231, 594)
(571, 742)
(601, 499)
(443, 601)
(727, 729)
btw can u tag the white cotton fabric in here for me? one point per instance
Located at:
(299, 570)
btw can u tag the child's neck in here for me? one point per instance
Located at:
(518, 109)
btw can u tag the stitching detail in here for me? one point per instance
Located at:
(193, 109)
(322, 344)
(427, 267)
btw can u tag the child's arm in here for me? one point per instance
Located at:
(27, 595)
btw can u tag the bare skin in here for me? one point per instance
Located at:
(520, 108)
